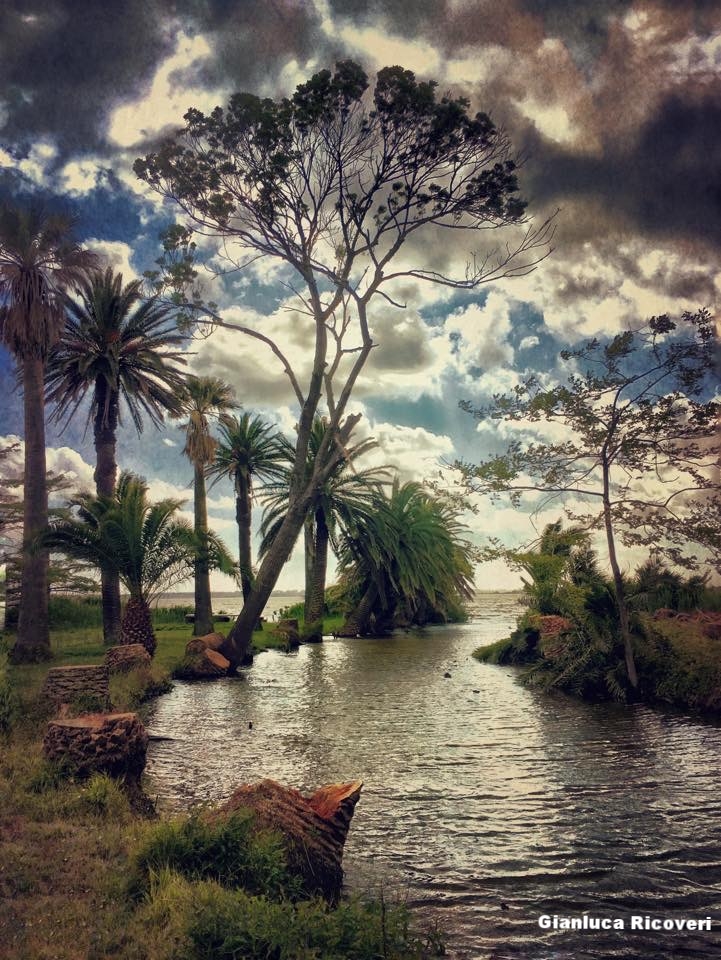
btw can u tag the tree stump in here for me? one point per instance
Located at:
(65, 685)
(203, 659)
(126, 656)
(287, 630)
(112, 743)
(315, 828)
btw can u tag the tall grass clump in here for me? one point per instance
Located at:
(8, 699)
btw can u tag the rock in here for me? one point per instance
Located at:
(112, 743)
(126, 657)
(315, 828)
(67, 685)
(211, 641)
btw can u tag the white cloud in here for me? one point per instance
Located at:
(117, 254)
(35, 166)
(528, 342)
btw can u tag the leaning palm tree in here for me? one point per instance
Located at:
(407, 559)
(204, 397)
(145, 543)
(250, 451)
(121, 347)
(347, 496)
(39, 262)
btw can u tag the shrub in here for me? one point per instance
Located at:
(66, 612)
(103, 797)
(230, 851)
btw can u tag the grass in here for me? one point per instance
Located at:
(82, 877)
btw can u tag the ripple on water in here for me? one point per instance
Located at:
(486, 808)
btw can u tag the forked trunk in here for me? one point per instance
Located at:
(315, 605)
(356, 623)
(203, 623)
(106, 475)
(33, 636)
(137, 624)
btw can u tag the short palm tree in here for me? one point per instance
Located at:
(204, 397)
(121, 347)
(408, 558)
(249, 451)
(145, 543)
(39, 262)
(342, 502)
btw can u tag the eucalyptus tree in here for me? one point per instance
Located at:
(335, 183)
(145, 543)
(249, 451)
(203, 398)
(122, 349)
(408, 556)
(347, 495)
(39, 262)
(640, 448)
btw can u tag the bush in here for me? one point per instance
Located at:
(208, 922)
(75, 612)
(229, 851)
(103, 797)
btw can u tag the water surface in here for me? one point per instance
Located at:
(485, 804)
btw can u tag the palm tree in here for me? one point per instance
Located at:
(407, 559)
(249, 451)
(204, 397)
(343, 501)
(120, 346)
(144, 543)
(39, 261)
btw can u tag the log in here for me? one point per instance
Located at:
(314, 828)
(112, 743)
(126, 656)
(211, 641)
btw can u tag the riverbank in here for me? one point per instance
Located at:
(678, 659)
(70, 847)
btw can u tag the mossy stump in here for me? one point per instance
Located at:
(314, 828)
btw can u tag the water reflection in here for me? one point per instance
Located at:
(486, 802)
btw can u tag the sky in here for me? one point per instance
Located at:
(614, 108)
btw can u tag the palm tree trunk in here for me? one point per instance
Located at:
(309, 558)
(357, 622)
(106, 475)
(137, 624)
(203, 622)
(243, 509)
(314, 608)
(33, 636)
(238, 642)
(619, 588)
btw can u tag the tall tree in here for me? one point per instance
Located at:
(145, 543)
(347, 496)
(204, 397)
(122, 347)
(640, 448)
(333, 183)
(249, 451)
(39, 262)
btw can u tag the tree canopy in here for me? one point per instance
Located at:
(333, 182)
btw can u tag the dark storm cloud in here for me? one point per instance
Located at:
(64, 64)
(664, 181)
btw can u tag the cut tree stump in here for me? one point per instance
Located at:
(126, 656)
(315, 828)
(64, 685)
(112, 743)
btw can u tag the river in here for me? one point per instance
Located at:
(485, 805)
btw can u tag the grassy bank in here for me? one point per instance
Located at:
(678, 659)
(83, 877)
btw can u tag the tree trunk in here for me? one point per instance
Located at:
(203, 622)
(619, 588)
(243, 509)
(106, 476)
(309, 558)
(33, 636)
(137, 625)
(316, 604)
(238, 642)
(357, 622)
(12, 592)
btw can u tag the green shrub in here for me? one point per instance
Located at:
(208, 922)
(103, 797)
(66, 612)
(229, 851)
(165, 615)
(132, 689)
